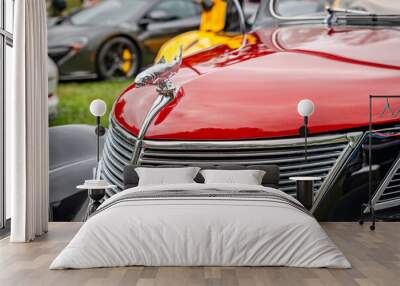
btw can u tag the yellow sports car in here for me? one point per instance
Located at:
(222, 22)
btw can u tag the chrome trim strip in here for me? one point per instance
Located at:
(310, 172)
(119, 129)
(240, 144)
(111, 160)
(285, 179)
(123, 140)
(316, 164)
(116, 171)
(115, 180)
(158, 105)
(391, 187)
(354, 140)
(245, 161)
(115, 155)
(121, 149)
(385, 205)
(239, 154)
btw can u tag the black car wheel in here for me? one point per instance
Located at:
(118, 58)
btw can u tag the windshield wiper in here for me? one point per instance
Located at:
(359, 17)
(332, 17)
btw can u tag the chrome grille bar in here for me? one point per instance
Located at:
(115, 154)
(329, 162)
(155, 152)
(145, 159)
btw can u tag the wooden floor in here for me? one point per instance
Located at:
(375, 257)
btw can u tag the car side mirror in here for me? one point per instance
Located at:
(155, 17)
(144, 22)
(160, 16)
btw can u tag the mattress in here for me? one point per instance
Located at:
(201, 225)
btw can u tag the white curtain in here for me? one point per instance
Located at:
(27, 124)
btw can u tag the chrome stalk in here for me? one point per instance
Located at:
(242, 22)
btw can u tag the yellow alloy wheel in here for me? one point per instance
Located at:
(127, 61)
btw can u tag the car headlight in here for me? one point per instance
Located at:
(75, 43)
(78, 43)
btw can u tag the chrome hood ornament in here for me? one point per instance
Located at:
(160, 75)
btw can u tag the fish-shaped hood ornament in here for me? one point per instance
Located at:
(160, 74)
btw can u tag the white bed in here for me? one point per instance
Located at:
(224, 225)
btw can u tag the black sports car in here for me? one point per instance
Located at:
(115, 38)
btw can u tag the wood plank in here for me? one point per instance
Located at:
(375, 257)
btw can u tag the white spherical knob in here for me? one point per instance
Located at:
(305, 107)
(98, 107)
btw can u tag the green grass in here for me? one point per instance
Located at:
(75, 99)
(73, 4)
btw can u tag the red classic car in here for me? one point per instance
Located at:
(240, 107)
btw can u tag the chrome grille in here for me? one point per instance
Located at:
(392, 191)
(388, 193)
(323, 155)
(117, 153)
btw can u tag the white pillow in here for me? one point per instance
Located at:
(166, 176)
(248, 177)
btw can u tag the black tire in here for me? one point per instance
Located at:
(118, 58)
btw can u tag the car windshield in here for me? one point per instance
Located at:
(108, 12)
(307, 9)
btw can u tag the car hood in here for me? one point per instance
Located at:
(253, 93)
(66, 33)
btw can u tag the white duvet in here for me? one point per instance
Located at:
(200, 231)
